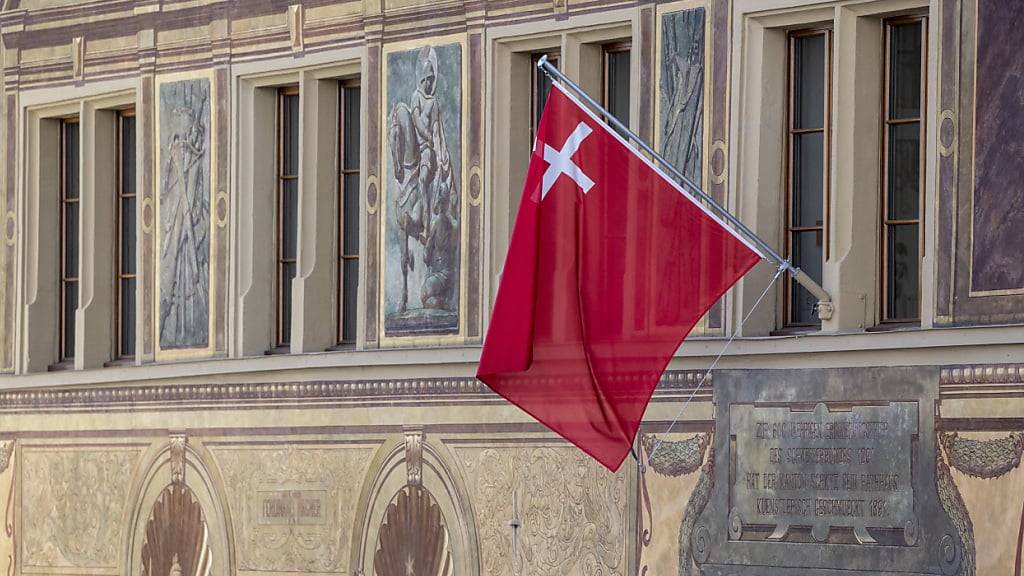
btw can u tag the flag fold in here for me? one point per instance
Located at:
(610, 266)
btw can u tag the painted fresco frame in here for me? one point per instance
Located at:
(973, 182)
(175, 353)
(384, 339)
(703, 326)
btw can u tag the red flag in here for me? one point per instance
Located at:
(609, 268)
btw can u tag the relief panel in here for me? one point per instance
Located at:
(73, 504)
(424, 182)
(293, 508)
(571, 513)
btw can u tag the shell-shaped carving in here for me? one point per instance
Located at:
(984, 458)
(176, 539)
(412, 539)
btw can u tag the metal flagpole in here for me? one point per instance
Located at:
(824, 300)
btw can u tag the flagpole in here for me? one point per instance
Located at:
(824, 300)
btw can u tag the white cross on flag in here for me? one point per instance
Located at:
(609, 268)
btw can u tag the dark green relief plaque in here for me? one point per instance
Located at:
(825, 471)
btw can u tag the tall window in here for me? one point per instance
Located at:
(540, 87)
(903, 161)
(69, 190)
(616, 80)
(126, 234)
(810, 54)
(348, 216)
(287, 206)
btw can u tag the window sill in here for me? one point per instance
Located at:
(894, 327)
(121, 362)
(342, 347)
(62, 366)
(796, 330)
(279, 350)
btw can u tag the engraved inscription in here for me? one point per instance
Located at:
(823, 469)
(292, 507)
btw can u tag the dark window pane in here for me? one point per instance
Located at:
(290, 135)
(904, 171)
(287, 273)
(809, 78)
(807, 255)
(904, 268)
(351, 132)
(542, 84)
(289, 217)
(618, 85)
(127, 154)
(350, 243)
(71, 173)
(349, 302)
(905, 71)
(71, 239)
(808, 178)
(70, 305)
(127, 317)
(128, 235)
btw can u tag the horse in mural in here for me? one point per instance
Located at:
(426, 207)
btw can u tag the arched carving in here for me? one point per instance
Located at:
(413, 538)
(389, 475)
(176, 536)
(177, 468)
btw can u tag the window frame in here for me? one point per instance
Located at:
(282, 341)
(555, 57)
(607, 50)
(887, 123)
(63, 336)
(343, 86)
(119, 274)
(790, 131)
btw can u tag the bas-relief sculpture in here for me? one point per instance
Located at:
(681, 94)
(293, 508)
(423, 167)
(184, 198)
(571, 513)
(998, 182)
(412, 538)
(73, 504)
(177, 543)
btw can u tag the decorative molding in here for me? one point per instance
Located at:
(947, 118)
(178, 442)
(78, 58)
(6, 450)
(982, 374)
(983, 458)
(414, 455)
(137, 398)
(295, 27)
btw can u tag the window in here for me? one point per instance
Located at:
(348, 216)
(615, 87)
(903, 161)
(808, 170)
(540, 86)
(287, 206)
(126, 273)
(69, 219)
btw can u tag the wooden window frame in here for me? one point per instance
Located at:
(791, 131)
(607, 49)
(120, 198)
(65, 280)
(280, 343)
(887, 124)
(342, 191)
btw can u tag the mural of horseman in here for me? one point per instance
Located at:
(425, 203)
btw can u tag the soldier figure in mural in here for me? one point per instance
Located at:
(427, 202)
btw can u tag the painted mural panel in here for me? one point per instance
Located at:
(423, 223)
(184, 207)
(998, 216)
(681, 105)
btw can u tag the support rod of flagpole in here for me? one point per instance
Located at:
(824, 300)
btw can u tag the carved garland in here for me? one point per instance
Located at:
(979, 459)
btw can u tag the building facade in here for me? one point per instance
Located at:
(250, 249)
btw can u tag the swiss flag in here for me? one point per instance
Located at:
(609, 268)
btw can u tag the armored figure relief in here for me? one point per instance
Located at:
(427, 208)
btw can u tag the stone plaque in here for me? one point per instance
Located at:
(291, 507)
(825, 472)
(824, 469)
